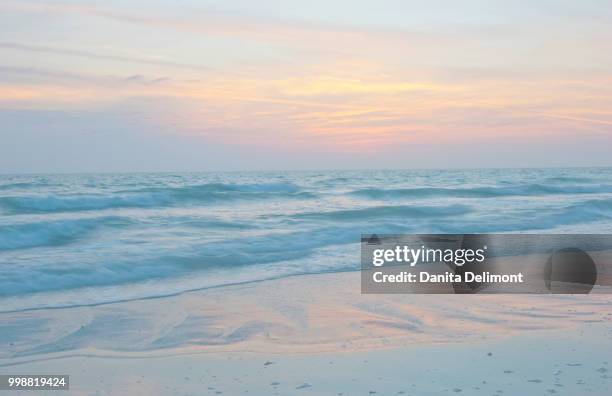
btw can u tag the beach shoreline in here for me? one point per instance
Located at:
(302, 335)
(308, 313)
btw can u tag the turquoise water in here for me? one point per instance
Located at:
(88, 239)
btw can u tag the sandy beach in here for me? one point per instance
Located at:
(316, 334)
(335, 198)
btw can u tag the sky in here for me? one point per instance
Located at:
(197, 85)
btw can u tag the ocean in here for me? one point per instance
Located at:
(84, 239)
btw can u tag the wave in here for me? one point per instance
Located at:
(119, 269)
(290, 251)
(75, 203)
(570, 179)
(478, 192)
(150, 197)
(405, 212)
(585, 212)
(25, 185)
(201, 243)
(191, 257)
(221, 190)
(53, 233)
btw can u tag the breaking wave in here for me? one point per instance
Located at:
(149, 197)
(478, 192)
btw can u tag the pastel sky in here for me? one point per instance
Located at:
(150, 85)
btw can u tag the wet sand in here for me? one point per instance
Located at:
(317, 334)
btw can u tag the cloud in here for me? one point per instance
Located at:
(577, 119)
(293, 34)
(99, 56)
(366, 87)
(60, 75)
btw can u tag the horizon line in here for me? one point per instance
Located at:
(307, 170)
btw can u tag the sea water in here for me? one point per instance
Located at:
(78, 239)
